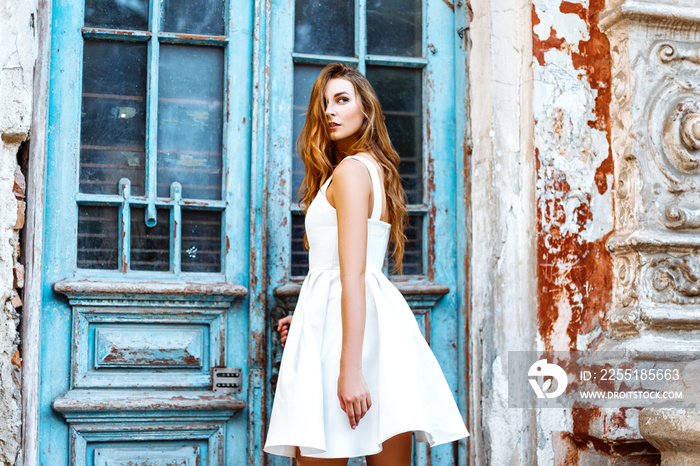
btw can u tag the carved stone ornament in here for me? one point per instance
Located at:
(670, 51)
(680, 217)
(673, 123)
(623, 87)
(655, 111)
(625, 273)
(626, 198)
(675, 110)
(674, 279)
(622, 140)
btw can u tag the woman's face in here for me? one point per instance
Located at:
(343, 112)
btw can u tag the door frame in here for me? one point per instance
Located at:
(33, 238)
(258, 234)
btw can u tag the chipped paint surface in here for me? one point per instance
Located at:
(571, 101)
(574, 171)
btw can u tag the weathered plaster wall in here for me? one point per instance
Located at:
(574, 171)
(17, 58)
(571, 109)
(502, 263)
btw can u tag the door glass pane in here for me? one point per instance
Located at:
(113, 123)
(324, 27)
(304, 77)
(201, 241)
(190, 120)
(399, 91)
(394, 27)
(194, 16)
(98, 237)
(150, 247)
(413, 248)
(117, 14)
(300, 255)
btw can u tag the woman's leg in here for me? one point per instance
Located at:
(395, 452)
(306, 461)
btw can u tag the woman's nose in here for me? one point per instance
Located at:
(330, 111)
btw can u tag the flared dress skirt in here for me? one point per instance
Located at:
(406, 384)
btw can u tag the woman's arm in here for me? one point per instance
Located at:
(351, 192)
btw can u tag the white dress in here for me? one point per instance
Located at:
(405, 382)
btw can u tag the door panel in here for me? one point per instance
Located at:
(407, 51)
(146, 247)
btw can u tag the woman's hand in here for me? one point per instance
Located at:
(353, 395)
(283, 327)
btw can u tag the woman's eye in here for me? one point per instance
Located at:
(342, 100)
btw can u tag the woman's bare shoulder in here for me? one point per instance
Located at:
(351, 171)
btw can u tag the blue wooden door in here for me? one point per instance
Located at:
(146, 278)
(172, 237)
(412, 51)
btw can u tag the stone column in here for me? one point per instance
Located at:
(655, 113)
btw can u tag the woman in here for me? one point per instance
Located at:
(357, 377)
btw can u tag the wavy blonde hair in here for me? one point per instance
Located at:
(320, 156)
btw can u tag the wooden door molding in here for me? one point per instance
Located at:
(33, 237)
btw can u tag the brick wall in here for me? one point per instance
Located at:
(18, 52)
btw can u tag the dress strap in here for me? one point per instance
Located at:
(376, 186)
(324, 186)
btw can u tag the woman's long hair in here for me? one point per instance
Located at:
(318, 152)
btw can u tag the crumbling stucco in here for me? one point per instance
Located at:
(571, 104)
(17, 58)
(502, 273)
(574, 182)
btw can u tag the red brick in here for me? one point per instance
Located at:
(16, 360)
(20, 185)
(16, 301)
(21, 206)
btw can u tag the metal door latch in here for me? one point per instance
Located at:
(226, 380)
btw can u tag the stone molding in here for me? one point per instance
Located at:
(655, 114)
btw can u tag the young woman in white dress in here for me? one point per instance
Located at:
(357, 377)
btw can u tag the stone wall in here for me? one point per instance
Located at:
(571, 109)
(617, 112)
(574, 171)
(655, 109)
(17, 58)
(502, 273)
(544, 209)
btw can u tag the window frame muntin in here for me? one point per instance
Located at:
(361, 60)
(150, 199)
